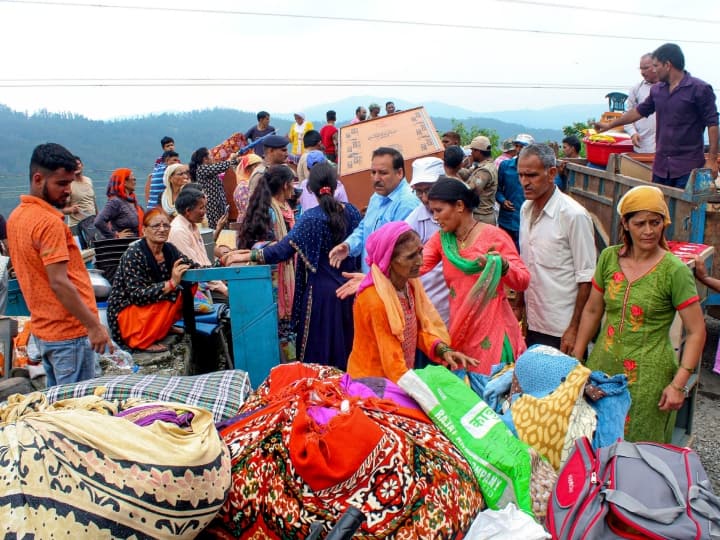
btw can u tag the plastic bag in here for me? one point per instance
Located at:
(506, 524)
(501, 463)
(119, 358)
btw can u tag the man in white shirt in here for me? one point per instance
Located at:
(191, 205)
(425, 173)
(557, 244)
(642, 132)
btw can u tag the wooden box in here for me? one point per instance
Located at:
(411, 132)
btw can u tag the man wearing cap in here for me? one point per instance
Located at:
(557, 244)
(276, 153)
(482, 177)
(374, 109)
(508, 152)
(509, 194)
(426, 171)
(393, 200)
(360, 115)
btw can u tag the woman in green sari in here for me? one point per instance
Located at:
(639, 286)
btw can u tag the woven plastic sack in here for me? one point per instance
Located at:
(501, 463)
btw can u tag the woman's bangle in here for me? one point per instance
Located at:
(689, 370)
(505, 266)
(256, 255)
(171, 284)
(442, 348)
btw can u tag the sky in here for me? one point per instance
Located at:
(109, 59)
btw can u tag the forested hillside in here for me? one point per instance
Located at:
(135, 142)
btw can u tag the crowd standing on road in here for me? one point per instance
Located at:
(488, 230)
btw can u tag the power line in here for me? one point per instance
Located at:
(281, 82)
(356, 19)
(613, 11)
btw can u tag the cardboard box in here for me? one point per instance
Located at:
(411, 132)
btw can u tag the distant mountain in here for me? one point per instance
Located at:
(345, 109)
(135, 142)
(107, 145)
(552, 117)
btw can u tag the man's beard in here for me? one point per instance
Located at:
(46, 198)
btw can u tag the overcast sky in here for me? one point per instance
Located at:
(184, 55)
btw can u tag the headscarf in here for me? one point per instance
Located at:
(116, 188)
(644, 198)
(246, 161)
(380, 246)
(169, 170)
(166, 199)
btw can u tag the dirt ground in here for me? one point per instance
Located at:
(707, 414)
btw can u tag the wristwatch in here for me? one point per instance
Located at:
(684, 389)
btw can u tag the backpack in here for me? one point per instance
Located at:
(635, 491)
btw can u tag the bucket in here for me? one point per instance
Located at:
(102, 314)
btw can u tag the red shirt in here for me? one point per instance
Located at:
(326, 136)
(37, 237)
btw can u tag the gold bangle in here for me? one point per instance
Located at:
(691, 371)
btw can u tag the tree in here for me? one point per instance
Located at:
(467, 135)
(579, 129)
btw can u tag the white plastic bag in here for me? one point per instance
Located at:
(506, 524)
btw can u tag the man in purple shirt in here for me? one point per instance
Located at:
(684, 106)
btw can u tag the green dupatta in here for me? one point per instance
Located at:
(485, 288)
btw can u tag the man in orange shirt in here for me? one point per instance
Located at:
(51, 272)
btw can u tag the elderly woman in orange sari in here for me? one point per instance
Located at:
(146, 301)
(393, 316)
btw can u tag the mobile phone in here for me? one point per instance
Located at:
(227, 209)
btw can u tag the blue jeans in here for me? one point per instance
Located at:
(680, 182)
(67, 361)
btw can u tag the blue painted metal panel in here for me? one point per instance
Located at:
(253, 316)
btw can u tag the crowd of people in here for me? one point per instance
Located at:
(481, 255)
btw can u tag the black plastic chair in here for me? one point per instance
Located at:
(108, 253)
(616, 101)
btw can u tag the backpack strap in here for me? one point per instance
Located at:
(661, 515)
(704, 502)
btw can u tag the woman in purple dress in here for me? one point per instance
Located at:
(323, 323)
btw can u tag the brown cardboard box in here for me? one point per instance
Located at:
(411, 132)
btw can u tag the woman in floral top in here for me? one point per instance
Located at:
(639, 286)
(206, 173)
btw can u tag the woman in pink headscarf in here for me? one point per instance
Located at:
(392, 314)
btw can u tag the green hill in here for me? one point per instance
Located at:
(135, 142)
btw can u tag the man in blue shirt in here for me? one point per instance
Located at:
(509, 194)
(393, 200)
(157, 186)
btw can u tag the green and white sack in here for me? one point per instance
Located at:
(499, 460)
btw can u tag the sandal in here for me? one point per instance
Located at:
(156, 348)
